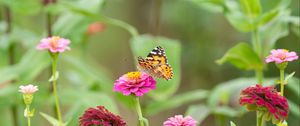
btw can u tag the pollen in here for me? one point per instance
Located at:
(134, 75)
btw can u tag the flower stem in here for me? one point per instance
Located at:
(54, 64)
(259, 76)
(139, 111)
(282, 81)
(257, 46)
(259, 119)
(28, 115)
(256, 43)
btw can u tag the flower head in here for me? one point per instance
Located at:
(95, 28)
(100, 116)
(28, 89)
(267, 100)
(54, 44)
(179, 120)
(137, 83)
(280, 56)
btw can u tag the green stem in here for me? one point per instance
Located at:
(257, 46)
(54, 64)
(256, 43)
(259, 119)
(49, 24)
(259, 76)
(139, 111)
(28, 115)
(282, 82)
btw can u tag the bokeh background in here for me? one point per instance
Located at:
(87, 71)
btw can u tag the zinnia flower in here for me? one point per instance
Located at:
(137, 83)
(179, 120)
(281, 55)
(54, 44)
(28, 89)
(100, 116)
(267, 100)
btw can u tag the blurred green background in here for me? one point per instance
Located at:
(196, 33)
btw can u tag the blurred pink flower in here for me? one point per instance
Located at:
(100, 117)
(28, 89)
(179, 120)
(280, 56)
(54, 44)
(265, 99)
(138, 83)
(95, 27)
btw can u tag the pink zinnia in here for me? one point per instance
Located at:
(179, 120)
(137, 83)
(28, 89)
(280, 56)
(54, 44)
(100, 117)
(265, 99)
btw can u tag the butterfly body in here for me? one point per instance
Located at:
(156, 64)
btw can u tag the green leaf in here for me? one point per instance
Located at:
(142, 45)
(28, 7)
(251, 8)
(50, 119)
(267, 17)
(293, 86)
(294, 108)
(236, 18)
(232, 89)
(32, 61)
(85, 99)
(226, 111)
(175, 101)
(90, 72)
(232, 123)
(73, 24)
(274, 30)
(288, 77)
(243, 57)
(198, 112)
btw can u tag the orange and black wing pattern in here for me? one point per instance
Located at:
(156, 64)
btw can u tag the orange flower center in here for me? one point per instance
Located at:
(134, 75)
(54, 41)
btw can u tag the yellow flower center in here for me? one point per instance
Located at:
(134, 75)
(54, 41)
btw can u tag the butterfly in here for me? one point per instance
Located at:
(156, 64)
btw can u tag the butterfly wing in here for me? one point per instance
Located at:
(156, 64)
(164, 71)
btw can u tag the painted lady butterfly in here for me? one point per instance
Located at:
(156, 64)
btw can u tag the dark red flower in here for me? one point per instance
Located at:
(100, 117)
(267, 100)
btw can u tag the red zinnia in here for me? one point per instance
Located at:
(100, 116)
(267, 100)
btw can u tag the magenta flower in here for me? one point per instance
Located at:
(267, 100)
(28, 89)
(280, 56)
(137, 83)
(179, 120)
(100, 117)
(54, 44)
